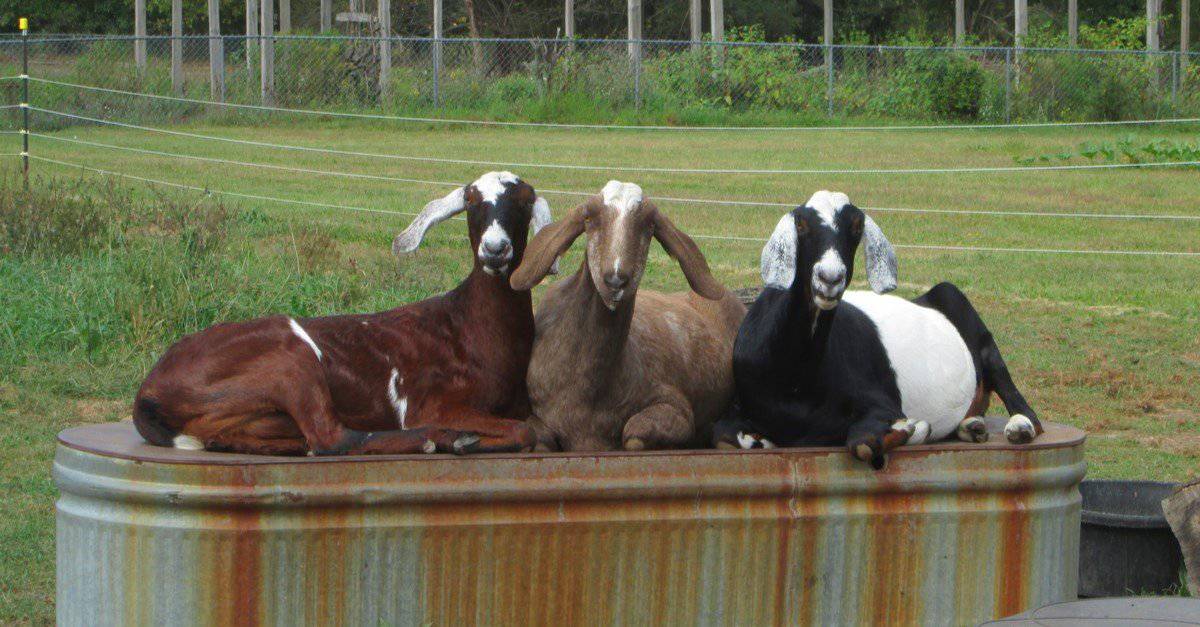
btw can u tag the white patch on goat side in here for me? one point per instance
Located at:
(187, 443)
(933, 368)
(399, 403)
(491, 185)
(827, 205)
(621, 196)
(303, 335)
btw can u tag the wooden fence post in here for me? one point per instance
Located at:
(717, 19)
(1185, 32)
(251, 43)
(1073, 22)
(326, 15)
(216, 51)
(266, 25)
(285, 17)
(177, 47)
(139, 33)
(960, 22)
(696, 18)
(385, 48)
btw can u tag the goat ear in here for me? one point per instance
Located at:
(687, 253)
(544, 249)
(778, 262)
(880, 257)
(434, 212)
(542, 219)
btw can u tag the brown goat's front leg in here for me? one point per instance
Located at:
(408, 441)
(496, 434)
(658, 426)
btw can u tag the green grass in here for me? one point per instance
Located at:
(97, 279)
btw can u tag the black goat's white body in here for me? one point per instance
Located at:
(933, 369)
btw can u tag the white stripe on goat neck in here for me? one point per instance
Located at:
(491, 185)
(827, 205)
(303, 335)
(399, 403)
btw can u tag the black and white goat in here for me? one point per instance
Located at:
(817, 365)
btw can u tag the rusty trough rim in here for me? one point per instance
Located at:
(200, 480)
(118, 434)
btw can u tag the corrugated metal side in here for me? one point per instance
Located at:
(763, 537)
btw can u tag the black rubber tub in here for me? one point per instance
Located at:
(1125, 545)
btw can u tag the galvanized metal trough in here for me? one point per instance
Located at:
(947, 534)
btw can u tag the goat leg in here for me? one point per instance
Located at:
(496, 434)
(658, 426)
(871, 439)
(404, 442)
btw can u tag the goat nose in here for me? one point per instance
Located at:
(831, 276)
(616, 281)
(494, 247)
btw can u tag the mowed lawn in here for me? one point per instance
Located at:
(1109, 343)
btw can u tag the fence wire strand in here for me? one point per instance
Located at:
(618, 168)
(930, 247)
(618, 127)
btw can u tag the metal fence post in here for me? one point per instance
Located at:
(1008, 84)
(24, 24)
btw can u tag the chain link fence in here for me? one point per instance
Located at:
(603, 80)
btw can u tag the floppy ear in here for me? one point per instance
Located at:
(690, 259)
(880, 257)
(778, 261)
(434, 212)
(542, 219)
(544, 249)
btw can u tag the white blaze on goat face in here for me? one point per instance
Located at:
(491, 185)
(494, 237)
(624, 198)
(827, 205)
(826, 296)
(303, 335)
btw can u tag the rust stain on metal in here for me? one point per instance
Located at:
(1014, 540)
(947, 534)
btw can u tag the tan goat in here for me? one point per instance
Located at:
(610, 369)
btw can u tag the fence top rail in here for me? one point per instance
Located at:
(71, 38)
(610, 127)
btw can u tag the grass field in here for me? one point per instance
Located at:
(98, 278)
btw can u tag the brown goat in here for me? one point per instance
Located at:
(608, 372)
(444, 374)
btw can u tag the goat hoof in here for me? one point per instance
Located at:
(635, 444)
(973, 429)
(465, 443)
(1019, 430)
(753, 440)
(867, 452)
